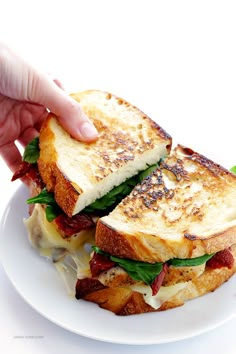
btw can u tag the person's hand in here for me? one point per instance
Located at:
(25, 93)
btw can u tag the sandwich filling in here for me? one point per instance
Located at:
(78, 267)
(84, 273)
(157, 282)
(52, 209)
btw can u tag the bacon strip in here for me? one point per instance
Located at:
(30, 171)
(221, 259)
(69, 226)
(156, 284)
(99, 264)
(86, 286)
(22, 170)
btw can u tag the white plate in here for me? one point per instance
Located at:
(38, 283)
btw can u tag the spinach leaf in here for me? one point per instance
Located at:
(233, 169)
(112, 198)
(146, 172)
(31, 153)
(190, 262)
(44, 197)
(98, 250)
(147, 272)
(52, 212)
(140, 271)
(52, 208)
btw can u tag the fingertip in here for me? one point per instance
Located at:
(71, 116)
(80, 130)
(78, 123)
(87, 131)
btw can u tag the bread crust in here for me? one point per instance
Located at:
(152, 249)
(184, 210)
(129, 140)
(64, 192)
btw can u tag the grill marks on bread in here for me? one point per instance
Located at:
(185, 209)
(128, 142)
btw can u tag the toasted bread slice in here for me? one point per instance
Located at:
(185, 209)
(79, 173)
(118, 295)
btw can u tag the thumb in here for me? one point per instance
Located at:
(70, 115)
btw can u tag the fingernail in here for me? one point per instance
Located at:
(88, 131)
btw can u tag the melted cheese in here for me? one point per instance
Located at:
(117, 276)
(71, 259)
(72, 267)
(44, 235)
(70, 256)
(164, 293)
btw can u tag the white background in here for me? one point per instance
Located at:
(176, 60)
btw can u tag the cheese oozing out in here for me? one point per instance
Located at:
(71, 258)
(44, 236)
(163, 295)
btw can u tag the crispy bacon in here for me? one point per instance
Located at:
(156, 284)
(86, 286)
(72, 225)
(29, 170)
(22, 170)
(34, 175)
(221, 259)
(99, 264)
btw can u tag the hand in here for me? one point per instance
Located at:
(25, 93)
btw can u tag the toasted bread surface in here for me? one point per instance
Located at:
(79, 173)
(185, 209)
(123, 300)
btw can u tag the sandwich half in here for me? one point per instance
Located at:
(173, 238)
(73, 183)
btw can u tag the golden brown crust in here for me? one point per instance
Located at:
(64, 193)
(185, 209)
(113, 242)
(149, 248)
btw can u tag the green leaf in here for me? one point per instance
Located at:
(96, 249)
(52, 208)
(44, 197)
(139, 271)
(52, 212)
(113, 197)
(142, 175)
(190, 262)
(233, 169)
(31, 153)
(147, 272)
(118, 193)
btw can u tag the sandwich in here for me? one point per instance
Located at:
(74, 183)
(130, 223)
(172, 239)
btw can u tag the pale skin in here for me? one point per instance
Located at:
(26, 96)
